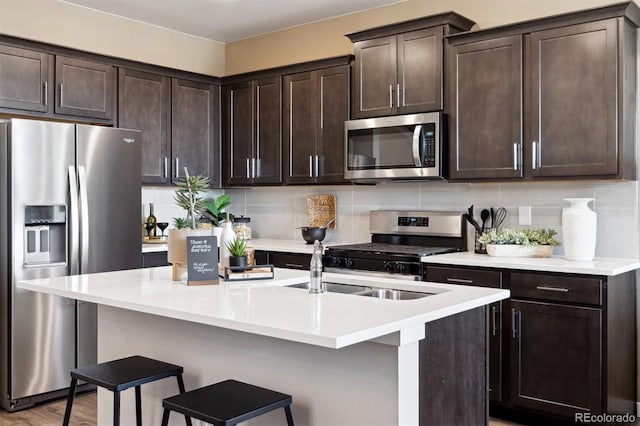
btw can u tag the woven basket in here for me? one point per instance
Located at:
(321, 209)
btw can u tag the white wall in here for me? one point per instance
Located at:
(276, 211)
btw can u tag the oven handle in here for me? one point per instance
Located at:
(417, 155)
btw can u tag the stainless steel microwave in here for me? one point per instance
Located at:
(398, 147)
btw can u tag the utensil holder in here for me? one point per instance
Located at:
(479, 247)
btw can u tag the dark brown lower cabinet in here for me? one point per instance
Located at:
(556, 357)
(283, 260)
(564, 344)
(153, 259)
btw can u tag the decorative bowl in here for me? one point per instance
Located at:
(515, 250)
(313, 233)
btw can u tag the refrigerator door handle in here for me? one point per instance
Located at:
(74, 237)
(84, 221)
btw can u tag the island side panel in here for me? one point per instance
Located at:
(453, 372)
(356, 385)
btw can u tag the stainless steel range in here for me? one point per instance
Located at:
(398, 240)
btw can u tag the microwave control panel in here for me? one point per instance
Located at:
(429, 135)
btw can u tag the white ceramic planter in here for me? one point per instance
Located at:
(579, 230)
(515, 250)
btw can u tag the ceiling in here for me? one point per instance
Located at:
(229, 20)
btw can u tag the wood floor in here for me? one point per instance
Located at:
(52, 413)
(84, 414)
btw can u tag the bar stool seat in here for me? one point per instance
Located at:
(227, 403)
(122, 374)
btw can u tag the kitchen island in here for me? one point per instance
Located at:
(346, 359)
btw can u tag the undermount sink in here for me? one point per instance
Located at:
(387, 293)
(335, 287)
(378, 293)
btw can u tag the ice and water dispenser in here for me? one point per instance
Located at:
(45, 235)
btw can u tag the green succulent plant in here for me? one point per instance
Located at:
(525, 237)
(236, 247)
(180, 222)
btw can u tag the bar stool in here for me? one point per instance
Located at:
(122, 374)
(227, 403)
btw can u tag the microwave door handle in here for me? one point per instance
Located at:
(417, 146)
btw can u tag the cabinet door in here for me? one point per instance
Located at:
(24, 79)
(555, 357)
(486, 109)
(333, 94)
(419, 85)
(144, 103)
(267, 167)
(375, 77)
(290, 260)
(85, 88)
(193, 129)
(299, 129)
(573, 100)
(238, 133)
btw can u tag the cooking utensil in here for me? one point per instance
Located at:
(328, 223)
(312, 233)
(473, 223)
(484, 215)
(493, 217)
(501, 214)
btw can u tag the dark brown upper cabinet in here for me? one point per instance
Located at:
(316, 105)
(398, 68)
(25, 77)
(252, 134)
(144, 103)
(550, 98)
(485, 116)
(85, 88)
(195, 143)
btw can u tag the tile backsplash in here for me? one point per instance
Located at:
(275, 212)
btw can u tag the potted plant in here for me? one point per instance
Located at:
(214, 211)
(237, 255)
(188, 196)
(519, 243)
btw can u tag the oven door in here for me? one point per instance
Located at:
(393, 147)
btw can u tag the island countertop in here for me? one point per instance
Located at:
(268, 307)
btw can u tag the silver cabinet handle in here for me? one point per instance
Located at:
(459, 281)
(557, 289)
(317, 166)
(391, 96)
(310, 166)
(248, 174)
(516, 156)
(513, 323)
(61, 94)
(258, 171)
(494, 324)
(398, 95)
(253, 168)
(177, 168)
(534, 152)
(46, 94)
(166, 167)
(294, 265)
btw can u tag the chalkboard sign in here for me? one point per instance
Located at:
(202, 260)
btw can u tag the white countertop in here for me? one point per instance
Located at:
(608, 267)
(268, 308)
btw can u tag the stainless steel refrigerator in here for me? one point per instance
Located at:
(69, 204)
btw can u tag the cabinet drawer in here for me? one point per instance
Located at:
(557, 288)
(475, 277)
(290, 260)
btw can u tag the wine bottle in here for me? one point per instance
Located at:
(151, 220)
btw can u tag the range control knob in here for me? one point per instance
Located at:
(348, 263)
(388, 266)
(331, 261)
(402, 267)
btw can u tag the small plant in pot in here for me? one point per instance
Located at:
(237, 255)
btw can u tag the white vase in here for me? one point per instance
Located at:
(579, 230)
